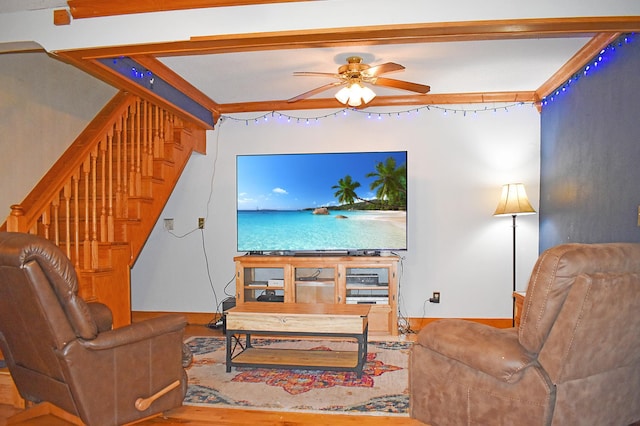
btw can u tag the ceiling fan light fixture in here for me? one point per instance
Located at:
(353, 75)
(355, 95)
(343, 95)
(367, 94)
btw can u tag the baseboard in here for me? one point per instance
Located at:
(193, 318)
(417, 324)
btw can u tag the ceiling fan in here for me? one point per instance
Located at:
(353, 74)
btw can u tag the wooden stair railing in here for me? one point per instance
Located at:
(101, 199)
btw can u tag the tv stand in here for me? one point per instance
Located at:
(324, 279)
(320, 253)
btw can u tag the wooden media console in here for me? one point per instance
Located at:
(343, 280)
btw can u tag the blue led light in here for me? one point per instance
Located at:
(589, 68)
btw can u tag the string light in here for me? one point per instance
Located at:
(590, 67)
(280, 116)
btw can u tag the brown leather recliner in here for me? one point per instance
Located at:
(575, 359)
(61, 350)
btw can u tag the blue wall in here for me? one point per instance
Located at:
(590, 154)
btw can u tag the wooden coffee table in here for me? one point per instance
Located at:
(297, 319)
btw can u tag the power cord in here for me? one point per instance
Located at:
(404, 325)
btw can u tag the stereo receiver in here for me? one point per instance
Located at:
(362, 279)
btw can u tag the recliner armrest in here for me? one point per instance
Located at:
(136, 332)
(494, 351)
(102, 316)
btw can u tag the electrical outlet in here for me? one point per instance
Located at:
(435, 298)
(201, 222)
(168, 224)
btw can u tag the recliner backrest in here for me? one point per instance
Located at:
(597, 328)
(33, 324)
(40, 308)
(62, 277)
(553, 275)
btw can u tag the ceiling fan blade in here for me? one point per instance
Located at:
(316, 74)
(403, 85)
(382, 69)
(315, 91)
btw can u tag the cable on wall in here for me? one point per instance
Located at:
(217, 303)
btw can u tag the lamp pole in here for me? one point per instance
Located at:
(513, 296)
(513, 201)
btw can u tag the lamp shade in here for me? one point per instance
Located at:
(513, 201)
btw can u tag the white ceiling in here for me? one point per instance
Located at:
(448, 67)
(453, 67)
(7, 6)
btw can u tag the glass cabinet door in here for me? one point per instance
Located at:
(315, 285)
(263, 284)
(367, 286)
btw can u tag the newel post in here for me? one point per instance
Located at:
(16, 222)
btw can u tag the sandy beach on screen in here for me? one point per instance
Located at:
(398, 218)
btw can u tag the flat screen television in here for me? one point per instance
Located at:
(353, 202)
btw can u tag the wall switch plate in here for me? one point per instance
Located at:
(168, 224)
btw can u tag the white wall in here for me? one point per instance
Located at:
(44, 105)
(457, 165)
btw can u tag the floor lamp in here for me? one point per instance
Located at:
(513, 202)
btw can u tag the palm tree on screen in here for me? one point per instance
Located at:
(346, 190)
(390, 183)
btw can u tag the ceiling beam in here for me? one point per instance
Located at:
(422, 33)
(576, 63)
(605, 28)
(113, 78)
(167, 74)
(382, 101)
(378, 35)
(93, 8)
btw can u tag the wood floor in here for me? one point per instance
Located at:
(194, 416)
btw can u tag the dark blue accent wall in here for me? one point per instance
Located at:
(135, 72)
(590, 155)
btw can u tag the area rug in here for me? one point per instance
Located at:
(382, 389)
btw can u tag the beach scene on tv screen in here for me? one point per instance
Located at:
(322, 201)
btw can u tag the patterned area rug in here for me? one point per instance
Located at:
(382, 389)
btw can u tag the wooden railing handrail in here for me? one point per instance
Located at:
(32, 206)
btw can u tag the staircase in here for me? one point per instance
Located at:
(102, 198)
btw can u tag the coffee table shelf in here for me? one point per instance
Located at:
(297, 358)
(297, 319)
